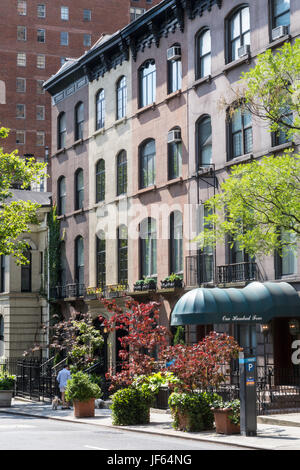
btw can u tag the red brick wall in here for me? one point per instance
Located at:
(107, 16)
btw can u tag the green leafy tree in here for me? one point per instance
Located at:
(258, 206)
(16, 216)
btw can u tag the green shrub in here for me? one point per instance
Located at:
(196, 407)
(131, 406)
(81, 388)
(7, 381)
(234, 405)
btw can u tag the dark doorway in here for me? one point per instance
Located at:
(282, 344)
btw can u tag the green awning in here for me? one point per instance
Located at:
(257, 303)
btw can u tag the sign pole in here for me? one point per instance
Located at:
(248, 419)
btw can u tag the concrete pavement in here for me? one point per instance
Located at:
(277, 432)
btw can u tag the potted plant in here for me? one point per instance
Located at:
(82, 392)
(138, 285)
(159, 384)
(131, 406)
(227, 416)
(191, 411)
(7, 383)
(172, 281)
(149, 284)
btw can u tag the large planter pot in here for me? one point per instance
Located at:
(6, 397)
(183, 422)
(223, 423)
(84, 409)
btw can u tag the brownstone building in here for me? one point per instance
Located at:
(37, 37)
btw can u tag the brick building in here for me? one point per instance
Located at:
(36, 37)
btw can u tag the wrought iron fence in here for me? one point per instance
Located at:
(238, 272)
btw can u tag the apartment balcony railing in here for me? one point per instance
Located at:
(239, 272)
(68, 291)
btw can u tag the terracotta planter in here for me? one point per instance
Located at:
(84, 409)
(223, 423)
(5, 397)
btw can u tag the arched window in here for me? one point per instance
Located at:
(174, 69)
(61, 195)
(147, 83)
(79, 261)
(26, 273)
(203, 51)
(148, 248)
(100, 180)
(204, 141)
(238, 31)
(100, 110)
(174, 153)
(121, 173)
(61, 130)
(121, 97)
(79, 120)
(122, 255)
(79, 189)
(101, 259)
(240, 133)
(176, 242)
(147, 163)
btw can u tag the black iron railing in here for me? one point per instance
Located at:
(68, 291)
(239, 272)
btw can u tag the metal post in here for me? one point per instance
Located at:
(248, 419)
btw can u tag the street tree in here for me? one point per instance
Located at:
(258, 205)
(16, 215)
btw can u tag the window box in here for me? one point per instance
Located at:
(172, 282)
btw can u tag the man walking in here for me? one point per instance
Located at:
(62, 378)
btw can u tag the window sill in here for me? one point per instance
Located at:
(120, 121)
(279, 148)
(174, 181)
(77, 142)
(99, 132)
(202, 80)
(145, 109)
(279, 41)
(146, 190)
(60, 151)
(236, 63)
(172, 95)
(77, 212)
(238, 160)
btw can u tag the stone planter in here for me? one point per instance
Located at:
(223, 423)
(5, 397)
(84, 409)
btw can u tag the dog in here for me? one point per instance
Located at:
(99, 403)
(55, 402)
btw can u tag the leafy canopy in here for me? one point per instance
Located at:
(16, 216)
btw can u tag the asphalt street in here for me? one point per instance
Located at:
(28, 433)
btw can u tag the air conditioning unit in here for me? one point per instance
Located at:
(174, 136)
(279, 32)
(174, 53)
(244, 50)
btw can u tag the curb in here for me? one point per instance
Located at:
(144, 431)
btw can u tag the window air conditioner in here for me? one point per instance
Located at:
(174, 136)
(174, 53)
(244, 50)
(279, 32)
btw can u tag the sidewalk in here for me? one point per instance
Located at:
(277, 432)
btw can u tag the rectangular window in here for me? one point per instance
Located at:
(40, 112)
(87, 40)
(64, 38)
(41, 11)
(87, 15)
(21, 33)
(21, 59)
(136, 13)
(20, 85)
(40, 61)
(40, 139)
(41, 35)
(280, 13)
(241, 133)
(64, 13)
(39, 87)
(20, 137)
(26, 274)
(2, 275)
(22, 7)
(20, 111)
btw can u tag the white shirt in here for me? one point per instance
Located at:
(63, 376)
